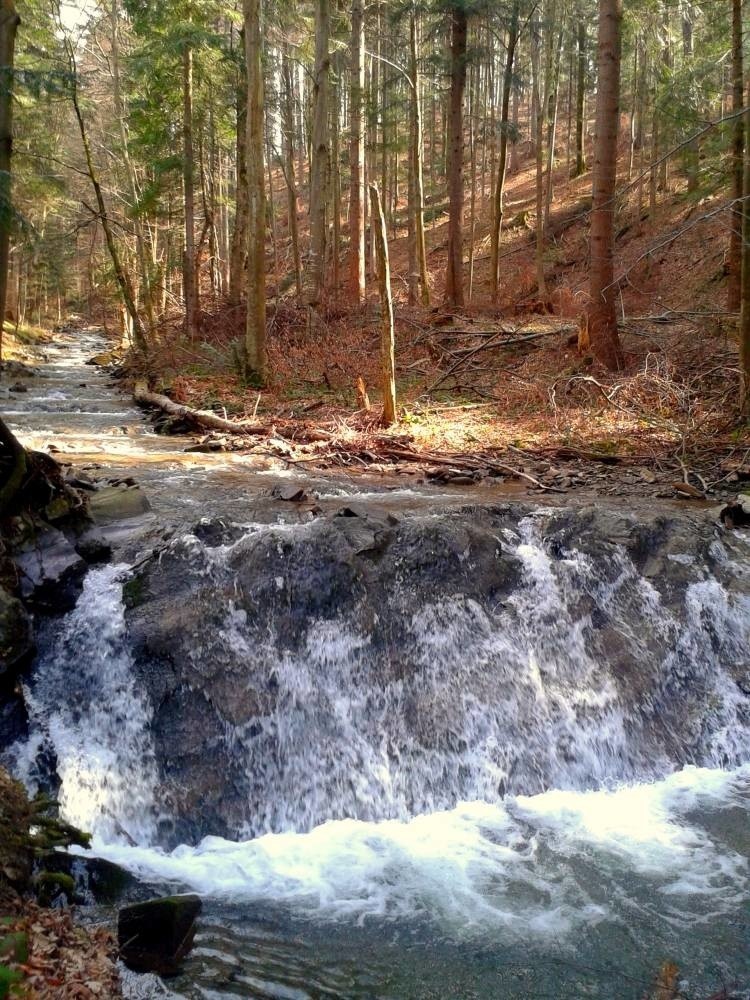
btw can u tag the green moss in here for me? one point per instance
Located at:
(49, 885)
(133, 592)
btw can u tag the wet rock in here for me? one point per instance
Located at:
(91, 880)
(117, 503)
(16, 637)
(19, 387)
(94, 548)
(50, 571)
(157, 935)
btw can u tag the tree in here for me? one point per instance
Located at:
(738, 139)
(255, 332)
(9, 21)
(357, 285)
(319, 167)
(602, 315)
(454, 281)
(497, 218)
(387, 346)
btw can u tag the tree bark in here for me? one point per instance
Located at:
(497, 219)
(319, 169)
(580, 95)
(291, 187)
(387, 343)
(738, 141)
(357, 282)
(189, 276)
(9, 21)
(454, 284)
(255, 330)
(602, 316)
(416, 188)
(745, 270)
(238, 252)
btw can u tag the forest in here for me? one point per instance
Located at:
(494, 224)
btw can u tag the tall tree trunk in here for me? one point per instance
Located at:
(540, 105)
(738, 140)
(357, 285)
(189, 274)
(9, 21)
(745, 270)
(140, 238)
(417, 162)
(580, 95)
(287, 111)
(238, 251)
(122, 277)
(497, 218)
(387, 345)
(255, 330)
(454, 284)
(602, 316)
(319, 169)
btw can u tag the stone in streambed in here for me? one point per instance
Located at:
(157, 935)
(116, 503)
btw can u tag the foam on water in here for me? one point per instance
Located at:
(531, 865)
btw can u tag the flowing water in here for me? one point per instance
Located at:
(532, 842)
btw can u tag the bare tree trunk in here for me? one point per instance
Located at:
(255, 330)
(580, 95)
(140, 239)
(238, 253)
(602, 316)
(9, 21)
(121, 275)
(357, 283)
(319, 169)
(189, 274)
(387, 342)
(745, 270)
(288, 141)
(417, 162)
(738, 140)
(497, 219)
(454, 283)
(539, 151)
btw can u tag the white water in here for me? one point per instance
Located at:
(528, 866)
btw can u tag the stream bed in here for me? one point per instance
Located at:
(451, 745)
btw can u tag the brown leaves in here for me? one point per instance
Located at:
(66, 961)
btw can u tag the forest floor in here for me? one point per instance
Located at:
(501, 389)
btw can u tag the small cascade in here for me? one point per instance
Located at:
(86, 709)
(261, 716)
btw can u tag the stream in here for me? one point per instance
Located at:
(449, 746)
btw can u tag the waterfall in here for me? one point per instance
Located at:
(580, 678)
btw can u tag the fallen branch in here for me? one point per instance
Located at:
(203, 418)
(492, 342)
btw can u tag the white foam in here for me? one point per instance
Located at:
(518, 868)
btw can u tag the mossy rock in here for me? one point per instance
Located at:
(155, 936)
(134, 592)
(49, 886)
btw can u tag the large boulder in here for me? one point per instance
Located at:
(361, 665)
(156, 936)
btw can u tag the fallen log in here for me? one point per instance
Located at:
(202, 418)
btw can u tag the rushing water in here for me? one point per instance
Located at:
(563, 858)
